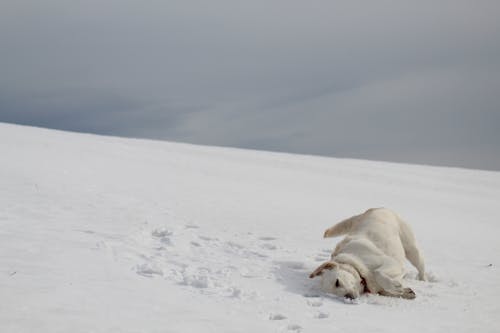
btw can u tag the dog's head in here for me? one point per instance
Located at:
(339, 279)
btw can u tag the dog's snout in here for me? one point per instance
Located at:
(349, 296)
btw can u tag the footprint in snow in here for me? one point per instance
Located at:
(294, 328)
(315, 303)
(267, 238)
(296, 265)
(206, 238)
(234, 245)
(163, 235)
(258, 254)
(276, 316)
(268, 246)
(161, 232)
(321, 315)
(90, 232)
(148, 270)
(431, 277)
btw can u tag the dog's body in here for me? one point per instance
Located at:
(371, 258)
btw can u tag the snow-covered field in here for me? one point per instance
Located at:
(103, 234)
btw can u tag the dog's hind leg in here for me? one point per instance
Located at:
(411, 250)
(413, 255)
(341, 228)
(388, 277)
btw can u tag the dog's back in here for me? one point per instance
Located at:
(380, 226)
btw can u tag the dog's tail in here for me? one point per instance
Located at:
(341, 228)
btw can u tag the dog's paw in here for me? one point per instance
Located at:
(408, 294)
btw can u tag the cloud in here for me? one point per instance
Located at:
(382, 120)
(391, 80)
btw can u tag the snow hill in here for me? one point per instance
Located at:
(104, 234)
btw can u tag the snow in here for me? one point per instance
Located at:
(104, 234)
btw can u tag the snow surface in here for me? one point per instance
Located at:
(104, 234)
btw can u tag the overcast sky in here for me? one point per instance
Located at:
(407, 81)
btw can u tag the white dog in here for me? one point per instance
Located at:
(371, 258)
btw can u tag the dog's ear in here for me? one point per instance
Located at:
(318, 271)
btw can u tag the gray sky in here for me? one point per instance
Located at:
(415, 81)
